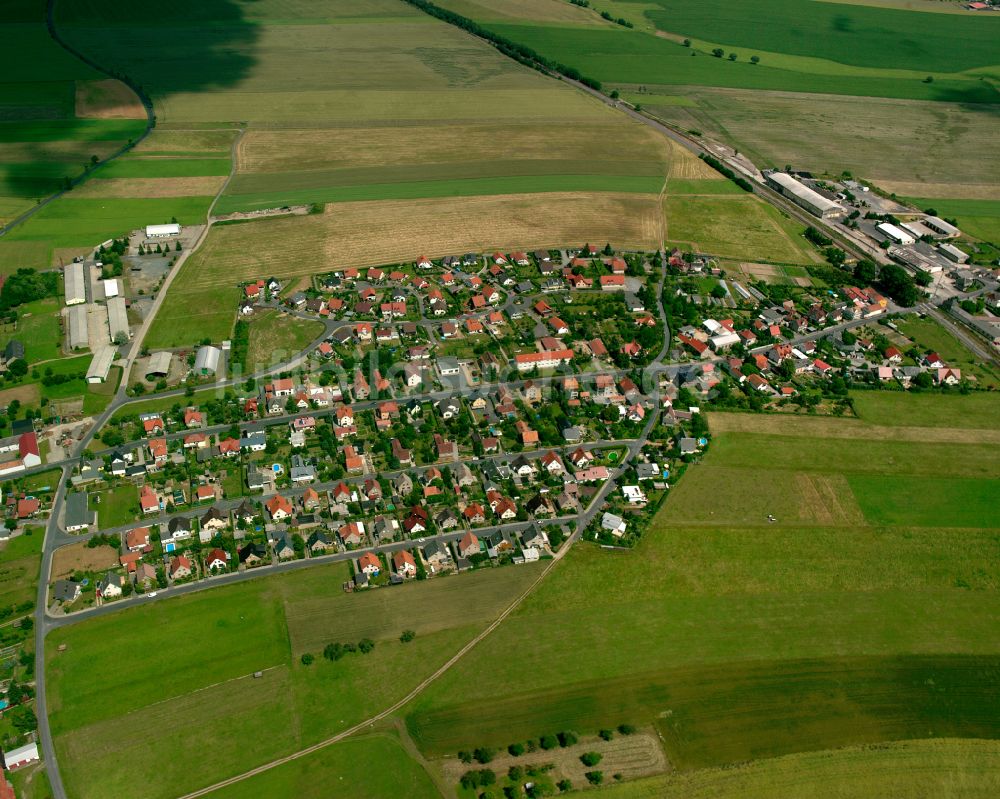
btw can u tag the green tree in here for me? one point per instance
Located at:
(595, 777)
(407, 636)
(718, 52)
(755, 59)
(591, 758)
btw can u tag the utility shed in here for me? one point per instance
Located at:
(101, 365)
(206, 362)
(111, 288)
(159, 363)
(76, 291)
(117, 317)
(160, 231)
(77, 325)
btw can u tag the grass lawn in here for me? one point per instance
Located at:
(960, 769)
(275, 337)
(223, 636)
(929, 336)
(116, 506)
(164, 404)
(740, 227)
(31, 782)
(38, 329)
(742, 639)
(189, 315)
(20, 559)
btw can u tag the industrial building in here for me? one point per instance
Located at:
(952, 253)
(895, 234)
(76, 324)
(942, 228)
(159, 364)
(917, 228)
(117, 317)
(100, 366)
(206, 362)
(162, 231)
(75, 285)
(800, 194)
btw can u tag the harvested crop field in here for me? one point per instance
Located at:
(107, 99)
(339, 148)
(684, 165)
(123, 188)
(372, 233)
(965, 191)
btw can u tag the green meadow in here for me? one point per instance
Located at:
(375, 766)
(219, 639)
(471, 187)
(858, 35)
(620, 56)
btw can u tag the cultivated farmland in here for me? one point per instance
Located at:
(807, 633)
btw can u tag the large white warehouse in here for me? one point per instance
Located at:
(800, 194)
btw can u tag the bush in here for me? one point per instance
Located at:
(484, 754)
(515, 773)
(591, 758)
(515, 750)
(366, 645)
(567, 738)
(407, 636)
(548, 742)
(606, 735)
(307, 659)
(465, 756)
(626, 729)
(564, 785)
(595, 777)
